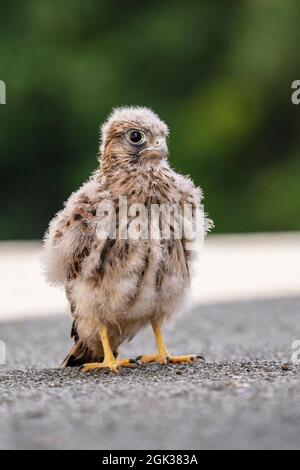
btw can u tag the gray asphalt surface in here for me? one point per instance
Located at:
(242, 398)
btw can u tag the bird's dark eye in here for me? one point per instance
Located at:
(136, 137)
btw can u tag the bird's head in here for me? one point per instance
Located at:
(131, 136)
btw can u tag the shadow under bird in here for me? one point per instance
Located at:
(118, 285)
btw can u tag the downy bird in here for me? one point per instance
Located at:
(117, 283)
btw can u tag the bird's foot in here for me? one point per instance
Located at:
(112, 366)
(160, 359)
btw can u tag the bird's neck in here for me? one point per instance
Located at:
(137, 182)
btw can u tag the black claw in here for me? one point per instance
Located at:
(133, 361)
(201, 357)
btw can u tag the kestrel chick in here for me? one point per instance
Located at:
(124, 244)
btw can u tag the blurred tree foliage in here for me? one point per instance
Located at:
(219, 73)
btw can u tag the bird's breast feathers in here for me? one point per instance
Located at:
(140, 265)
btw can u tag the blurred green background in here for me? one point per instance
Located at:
(219, 73)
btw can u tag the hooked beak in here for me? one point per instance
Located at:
(158, 150)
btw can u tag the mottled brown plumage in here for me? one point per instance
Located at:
(121, 283)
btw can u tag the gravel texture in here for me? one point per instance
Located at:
(246, 396)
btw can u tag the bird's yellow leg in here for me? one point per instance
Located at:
(162, 356)
(109, 362)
